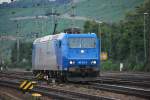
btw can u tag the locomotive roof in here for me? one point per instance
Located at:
(49, 37)
(59, 36)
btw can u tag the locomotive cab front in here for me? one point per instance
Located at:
(82, 56)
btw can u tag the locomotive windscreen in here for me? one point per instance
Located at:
(82, 42)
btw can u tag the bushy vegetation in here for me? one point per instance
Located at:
(109, 65)
(21, 58)
(124, 41)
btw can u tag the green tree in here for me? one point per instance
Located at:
(91, 27)
(25, 54)
(124, 40)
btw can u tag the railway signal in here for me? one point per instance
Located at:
(104, 56)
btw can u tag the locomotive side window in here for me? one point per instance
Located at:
(82, 42)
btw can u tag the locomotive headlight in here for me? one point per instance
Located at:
(82, 51)
(93, 62)
(71, 62)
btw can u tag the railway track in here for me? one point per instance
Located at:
(108, 79)
(69, 95)
(128, 76)
(56, 93)
(23, 73)
(125, 81)
(17, 75)
(139, 92)
(139, 79)
(12, 80)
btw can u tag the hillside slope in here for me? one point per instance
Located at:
(104, 10)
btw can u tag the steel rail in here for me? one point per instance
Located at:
(26, 73)
(127, 76)
(139, 92)
(16, 76)
(56, 93)
(140, 83)
(70, 95)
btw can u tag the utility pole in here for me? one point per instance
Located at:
(17, 33)
(55, 18)
(18, 47)
(72, 14)
(52, 16)
(144, 37)
(99, 31)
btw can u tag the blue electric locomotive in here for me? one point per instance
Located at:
(74, 57)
